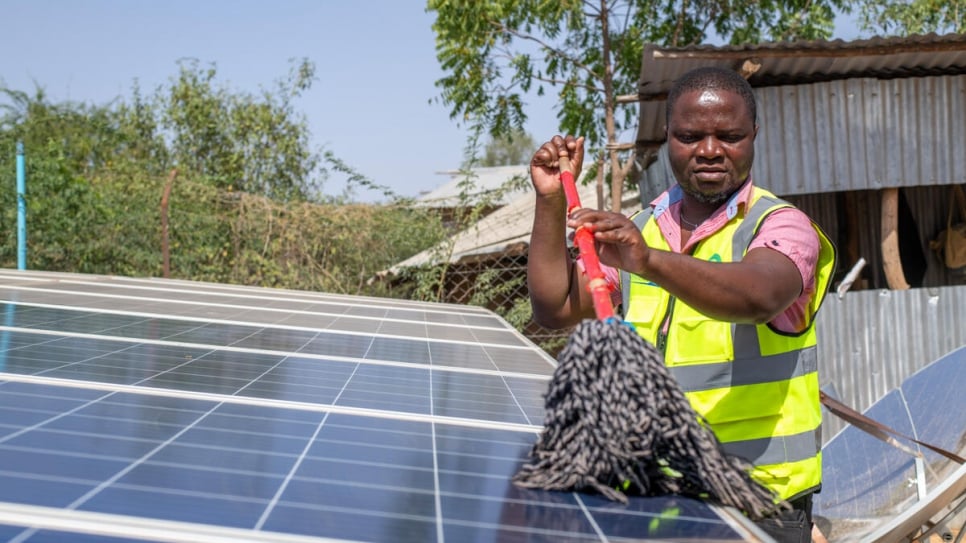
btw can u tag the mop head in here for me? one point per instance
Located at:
(616, 422)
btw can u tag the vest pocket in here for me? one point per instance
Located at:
(697, 340)
(642, 313)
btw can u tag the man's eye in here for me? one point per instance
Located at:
(732, 138)
(688, 138)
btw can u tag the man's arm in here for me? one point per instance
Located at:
(558, 292)
(754, 290)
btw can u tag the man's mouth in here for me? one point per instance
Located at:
(710, 176)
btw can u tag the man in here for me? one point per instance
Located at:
(723, 277)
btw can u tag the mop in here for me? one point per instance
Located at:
(617, 423)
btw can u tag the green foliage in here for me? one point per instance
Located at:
(491, 286)
(244, 207)
(255, 144)
(325, 247)
(495, 52)
(65, 143)
(904, 17)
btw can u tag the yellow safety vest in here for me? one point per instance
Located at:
(755, 386)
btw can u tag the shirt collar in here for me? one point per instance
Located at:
(674, 195)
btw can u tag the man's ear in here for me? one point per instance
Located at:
(755, 135)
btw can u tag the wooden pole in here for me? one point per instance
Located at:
(165, 250)
(891, 263)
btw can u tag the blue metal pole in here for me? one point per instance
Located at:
(21, 211)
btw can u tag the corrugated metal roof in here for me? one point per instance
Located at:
(476, 184)
(796, 63)
(504, 228)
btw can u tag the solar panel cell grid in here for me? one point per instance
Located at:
(264, 417)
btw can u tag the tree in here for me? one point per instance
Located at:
(64, 144)
(509, 150)
(495, 53)
(904, 17)
(253, 143)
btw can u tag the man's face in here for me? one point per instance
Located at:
(711, 138)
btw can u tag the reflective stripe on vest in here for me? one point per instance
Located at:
(756, 387)
(777, 450)
(739, 372)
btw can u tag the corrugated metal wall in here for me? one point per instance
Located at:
(870, 341)
(856, 134)
(861, 134)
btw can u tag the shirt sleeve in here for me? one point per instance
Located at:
(789, 231)
(613, 278)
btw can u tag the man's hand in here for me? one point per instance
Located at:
(545, 164)
(619, 241)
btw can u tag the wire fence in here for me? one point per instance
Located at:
(500, 284)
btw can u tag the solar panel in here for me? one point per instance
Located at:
(162, 410)
(867, 483)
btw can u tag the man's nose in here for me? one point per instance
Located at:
(709, 147)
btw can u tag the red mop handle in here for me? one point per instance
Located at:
(584, 240)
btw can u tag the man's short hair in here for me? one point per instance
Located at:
(712, 78)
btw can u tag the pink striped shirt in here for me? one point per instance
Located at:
(788, 231)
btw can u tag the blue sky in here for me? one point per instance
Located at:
(375, 62)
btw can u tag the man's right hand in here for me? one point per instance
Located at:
(557, 292)
(545, 164)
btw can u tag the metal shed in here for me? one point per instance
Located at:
(867, 137)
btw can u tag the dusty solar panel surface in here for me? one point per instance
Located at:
(868, 483)
(140, 409)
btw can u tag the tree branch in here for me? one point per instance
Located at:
(680, 24)
(507, 54)
(564, 82)
(550, 49)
